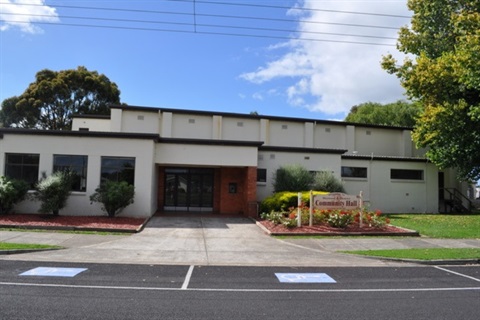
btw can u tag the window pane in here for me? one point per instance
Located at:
(354, 172)
(118, 169)
(406, 174)
(77, 165)
(22, 166)
(261, 175)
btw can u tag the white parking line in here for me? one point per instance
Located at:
(51, 285)
(187, 278)
(457, 273)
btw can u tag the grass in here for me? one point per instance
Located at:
(450, 226)
(24, 246)
(423, 254)
(100, 233)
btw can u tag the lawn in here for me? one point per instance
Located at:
(24, 246)
(423, 254)
(451, 226)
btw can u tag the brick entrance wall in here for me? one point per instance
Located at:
(243, 201)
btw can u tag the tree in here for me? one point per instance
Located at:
(292, 178)
(326, 181)
(114, 196)
(50, 101)
(400, 113)
(444, 75)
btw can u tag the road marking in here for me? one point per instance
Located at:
(53, 272)
(457, 273)
(51, 285)
(304, 278)
(187, 278)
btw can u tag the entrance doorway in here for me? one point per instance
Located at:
(188, 189)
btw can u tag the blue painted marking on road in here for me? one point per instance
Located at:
(53, 272)
(304, 278)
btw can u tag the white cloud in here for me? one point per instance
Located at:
(331, 76)
(257, 96)
(24, 13)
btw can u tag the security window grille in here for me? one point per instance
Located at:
(354, 172)
(406, 174)
(118, 169)
(76, 165)
(22, 166)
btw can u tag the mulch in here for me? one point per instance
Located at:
(81, 223)
(326, 230)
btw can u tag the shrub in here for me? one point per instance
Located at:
(12, 191)
(326, 181)
(114, 196)
(53, 192)
(282, 201)
(340, 218)
(292, 178)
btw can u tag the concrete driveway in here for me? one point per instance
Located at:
(206, 240)
(186, 240)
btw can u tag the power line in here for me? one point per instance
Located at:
(195, 23)
(290, 8)
(212, 15)
(203, 32)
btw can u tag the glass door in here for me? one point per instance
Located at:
(188, 189)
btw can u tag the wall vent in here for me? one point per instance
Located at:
(284, 126)
(139, 117)
(191, 120)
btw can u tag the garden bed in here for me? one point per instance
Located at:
(80, 223)
(326, 230)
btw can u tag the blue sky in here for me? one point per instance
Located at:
(163, 62)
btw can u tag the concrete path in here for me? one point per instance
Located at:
(195, 240)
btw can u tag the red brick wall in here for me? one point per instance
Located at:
(224, 202)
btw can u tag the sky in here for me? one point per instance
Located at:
(293, 58)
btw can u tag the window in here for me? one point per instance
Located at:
(118, 169)
(406, 174)
(77, 165)
(354, 172)
(261, 175)
(22, 166)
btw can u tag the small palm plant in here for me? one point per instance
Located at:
(53, 192)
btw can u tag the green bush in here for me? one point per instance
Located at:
(326, 181)
(12, 191)
(114, 196)
(292, 178)
(53, 192)
(282, 201)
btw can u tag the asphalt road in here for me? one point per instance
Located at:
(116, 291)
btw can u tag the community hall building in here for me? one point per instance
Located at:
(224, 163)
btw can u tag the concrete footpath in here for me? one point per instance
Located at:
(196, 240)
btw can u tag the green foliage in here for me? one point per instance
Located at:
(53, 98)
(336, 218)
(444, 77)
(11, 192)
(339, 218)
(114, 196)
(400, 113)
(292, 178)
(282, 201)
(53, 192)
(326, 181)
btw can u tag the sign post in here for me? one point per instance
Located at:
(299, 210)
(310, 221)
